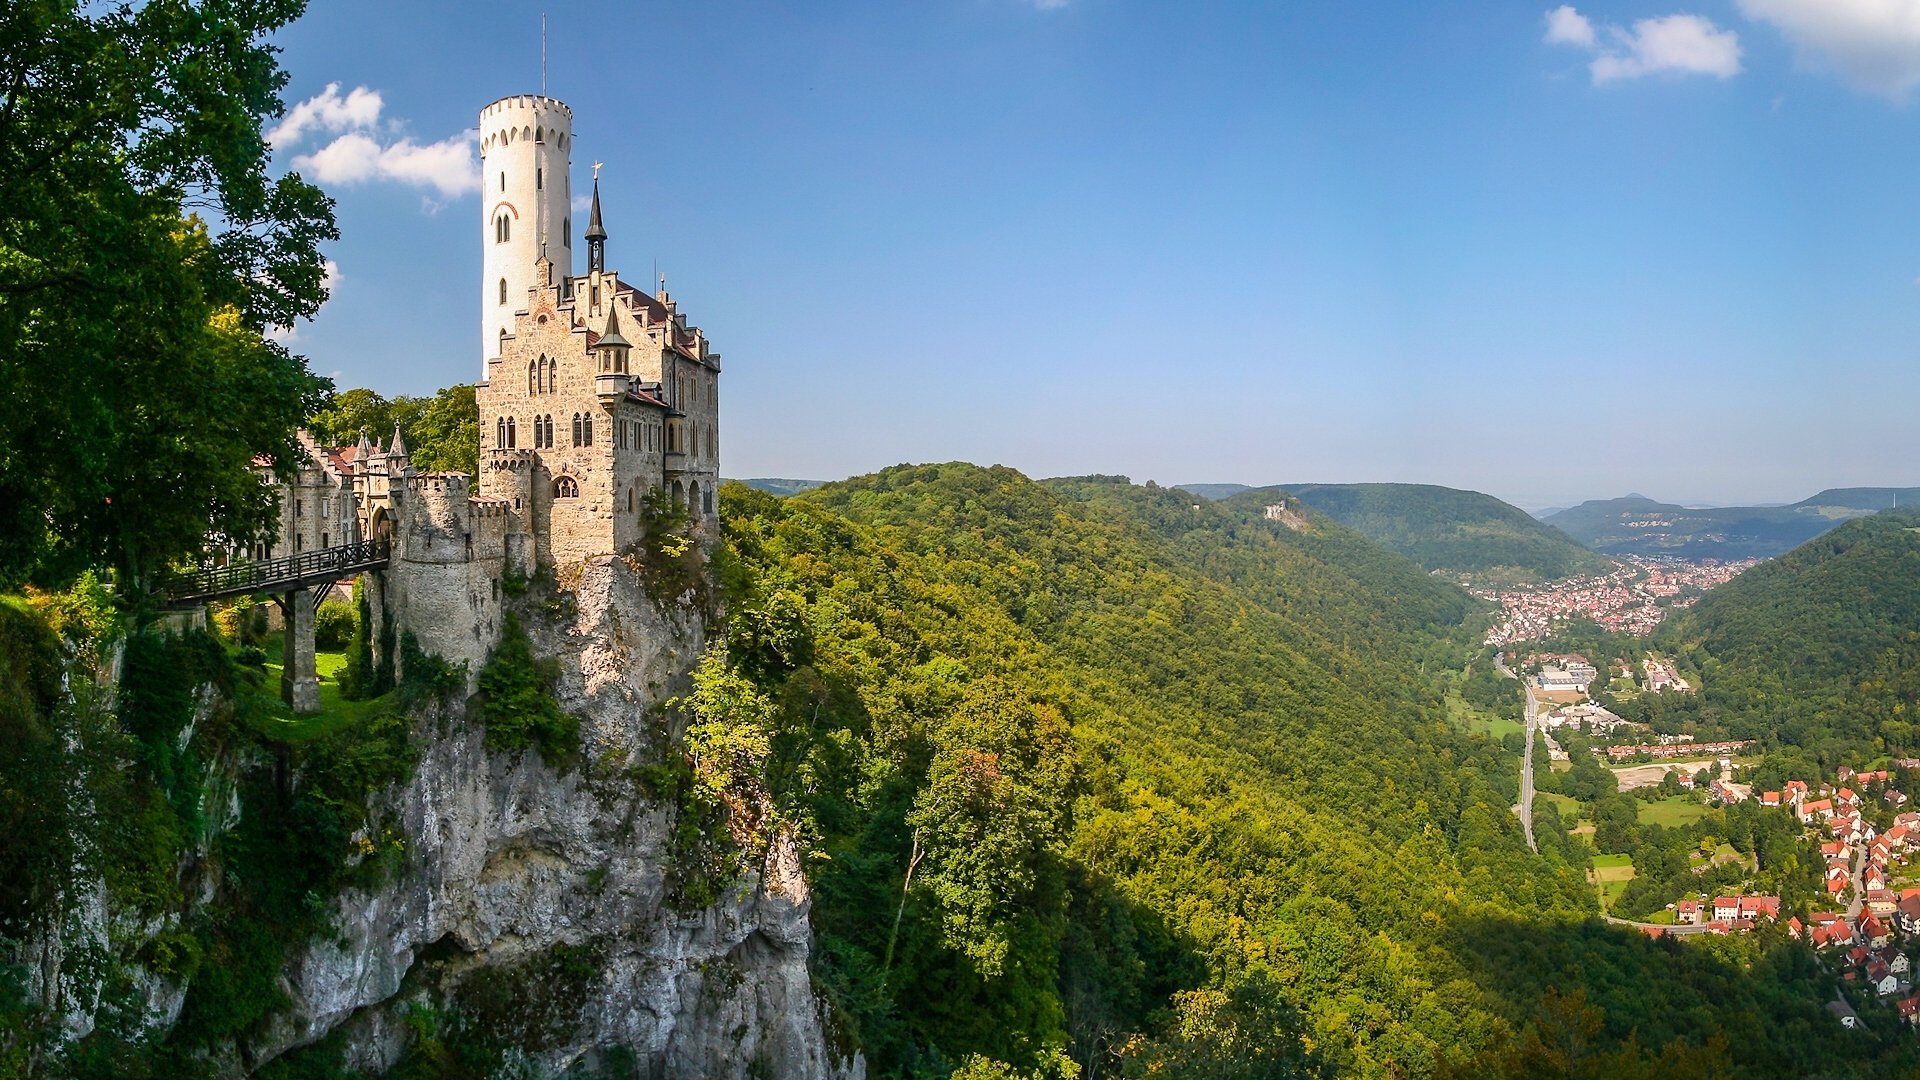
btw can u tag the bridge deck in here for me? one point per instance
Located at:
(303, 570)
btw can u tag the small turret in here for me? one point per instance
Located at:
(613, 379)
(397, 448)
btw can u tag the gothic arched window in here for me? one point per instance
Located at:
(566, 232)
(500, 432)
(553, 374)
(533, 377)
(566, 488)
(502, 229)
(503, 290)
(577, 440)
(511, 436)
(586, 429)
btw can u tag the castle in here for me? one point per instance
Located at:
(594, 394)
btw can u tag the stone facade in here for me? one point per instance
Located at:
(596, 395)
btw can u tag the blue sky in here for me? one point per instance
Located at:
(1550, 254)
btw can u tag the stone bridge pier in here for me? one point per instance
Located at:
(300, 679)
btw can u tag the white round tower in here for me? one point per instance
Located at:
(526, 145)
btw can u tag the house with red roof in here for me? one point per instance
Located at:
(1817, 810)
(1872, 931)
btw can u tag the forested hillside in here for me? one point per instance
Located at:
(1636, 525)
(1088, 770)
(1819, 648)
(1462, 532)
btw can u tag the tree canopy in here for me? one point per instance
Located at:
(144, 253)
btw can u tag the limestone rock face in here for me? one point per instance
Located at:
(546, 889)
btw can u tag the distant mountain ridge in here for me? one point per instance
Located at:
(774, 485)
(1448, 529)
(1637, 525)
(1216, 492)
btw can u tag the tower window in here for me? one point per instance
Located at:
(566, 232)
(503, 290)
(511, 439)
(539, 178)
(503, 181)
(533, 377)
(500, 433)
(502, 229)
(566, 488)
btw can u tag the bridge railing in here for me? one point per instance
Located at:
(290, 570)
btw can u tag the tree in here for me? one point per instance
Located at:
(442, 432)
(347, 415)
(144, 251)
(992, 814)
(446, 435)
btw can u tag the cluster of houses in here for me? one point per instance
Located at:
(1661, 677)
(1725, 914)
(1590, 718)
(1678, 749)
(1870, 957)
(1837, 813)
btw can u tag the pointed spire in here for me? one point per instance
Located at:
(596, 234)
(612, 339)
(396, 448)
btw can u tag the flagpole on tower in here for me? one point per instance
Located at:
(543, 54)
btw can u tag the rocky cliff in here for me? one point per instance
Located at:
(533, 903)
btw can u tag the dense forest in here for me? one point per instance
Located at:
(1095, 774)
(1460, 532)
(1818, 649)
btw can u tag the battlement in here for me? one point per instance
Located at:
(516, 102)
(517, 460)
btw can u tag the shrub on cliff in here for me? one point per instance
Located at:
(516, 702)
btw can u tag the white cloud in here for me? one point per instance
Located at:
(1050, 5)
(1873, 45)
(448, 166)
(1566, 26)
(361, 154)
(328, 111)
(1681, 44)
(1688, 44)
(329, 274)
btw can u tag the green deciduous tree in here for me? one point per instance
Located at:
(144, 250)
(992, 815)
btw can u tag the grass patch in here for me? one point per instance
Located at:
(277, 720)
(1672, 812)
(1567, 805)
(1468, 718)
(1610, 875)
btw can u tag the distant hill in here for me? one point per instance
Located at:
(1214, 491)
(1637, 525)
(1451, 530)
(776, 486)
(1820, 647)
